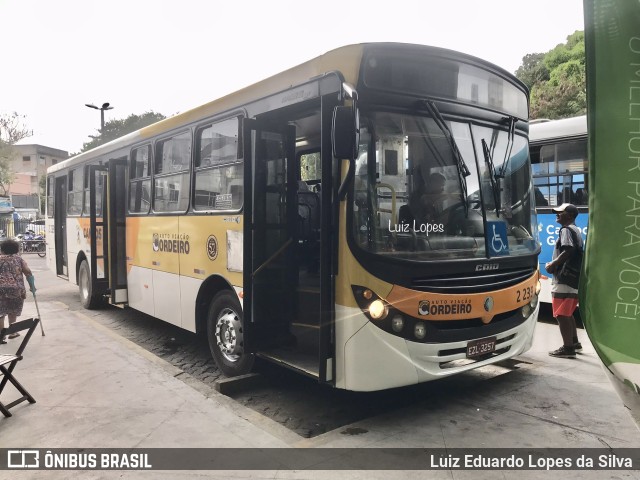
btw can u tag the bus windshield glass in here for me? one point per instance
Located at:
(426, 192)
(438, 77)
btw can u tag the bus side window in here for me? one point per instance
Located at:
(171, 183)
(218, 176)
(75, 192)
(140, 180)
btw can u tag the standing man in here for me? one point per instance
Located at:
(563, 297)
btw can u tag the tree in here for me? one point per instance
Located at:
(42, 186)
(117, 128)
(533, 70)
(563, 96)
(557, 79)
(12, 130)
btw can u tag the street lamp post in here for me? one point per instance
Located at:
(105, 106)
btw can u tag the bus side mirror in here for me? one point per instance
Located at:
(345, 133)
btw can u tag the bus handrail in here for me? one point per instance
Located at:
(272, 257)
(393, 201)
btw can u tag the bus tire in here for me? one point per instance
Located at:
(87, 298)
(225, 335)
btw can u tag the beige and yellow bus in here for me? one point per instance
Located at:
(365, 218)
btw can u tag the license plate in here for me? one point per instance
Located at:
(483, 346)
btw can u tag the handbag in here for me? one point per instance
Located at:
(569, 272)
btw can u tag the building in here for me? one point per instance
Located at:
(29, 164)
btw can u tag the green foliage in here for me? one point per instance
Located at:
(6, 175)
(532, 70)
(557, 79)
(42, 187)
(117, 128)
(12, 130)
(310, 166)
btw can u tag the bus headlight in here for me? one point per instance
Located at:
(420, 331)
(526, 310)
(538, 287)
(378, 310)
(397, 323)
(374, 307)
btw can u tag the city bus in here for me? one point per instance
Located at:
(560, 171)
(269, 220)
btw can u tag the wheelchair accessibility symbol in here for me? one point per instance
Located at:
(497, 242)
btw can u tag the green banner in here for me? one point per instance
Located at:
(610, 286)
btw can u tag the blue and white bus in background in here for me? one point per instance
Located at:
(558, 150)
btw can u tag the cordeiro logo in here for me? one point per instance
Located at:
(212, 247)
(423, 307)
(171, 243)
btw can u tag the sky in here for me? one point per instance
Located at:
(172, 55)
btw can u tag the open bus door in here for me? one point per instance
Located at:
(107, 209)
(94, 282)
(116, 230)
(60, 225)
(270, 216)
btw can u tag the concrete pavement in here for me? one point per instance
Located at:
(95, 389)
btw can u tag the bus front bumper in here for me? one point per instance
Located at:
(373, 359)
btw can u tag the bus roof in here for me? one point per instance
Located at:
(552, 129)
(345, 59)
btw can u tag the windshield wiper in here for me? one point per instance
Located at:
(510, 141)
(488, 160)
(463, 170)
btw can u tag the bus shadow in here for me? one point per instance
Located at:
(311, 409)
(297, 402)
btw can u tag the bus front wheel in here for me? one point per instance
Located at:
(87, 298)
(225, 335)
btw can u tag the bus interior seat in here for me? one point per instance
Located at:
(404, 214)
(567, 196)
(582, 196)
(309, 209)
(303, 186)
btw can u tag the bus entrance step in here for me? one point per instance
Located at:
(232, 385)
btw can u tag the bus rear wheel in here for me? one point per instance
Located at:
(226, 336)
(87, 298)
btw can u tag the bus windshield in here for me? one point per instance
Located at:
(425, 191)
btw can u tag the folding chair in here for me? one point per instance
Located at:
(8, 362)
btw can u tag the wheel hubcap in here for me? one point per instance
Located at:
(229, 335)
(84, 284)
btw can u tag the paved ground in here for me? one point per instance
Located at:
(95, 388)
